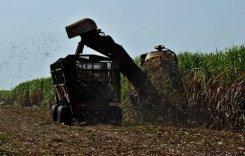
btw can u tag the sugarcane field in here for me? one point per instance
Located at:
(122, 78)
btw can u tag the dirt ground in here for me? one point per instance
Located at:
(29, 131)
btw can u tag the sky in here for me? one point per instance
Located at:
(32, 32)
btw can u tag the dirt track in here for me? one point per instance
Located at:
(30, 131)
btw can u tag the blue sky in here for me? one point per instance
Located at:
(33, 31)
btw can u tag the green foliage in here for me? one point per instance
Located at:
(214, 63)
(137, 60)
(5, 94)
(34, 92)
(214, 84)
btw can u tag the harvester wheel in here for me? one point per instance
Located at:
(54, 109)
(64, 115)
(115, 115)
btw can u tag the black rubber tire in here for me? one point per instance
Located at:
(115, 115)
(64, 115)
(54, 109)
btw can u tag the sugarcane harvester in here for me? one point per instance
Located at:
(87, 87)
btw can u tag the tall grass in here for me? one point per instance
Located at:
(215, 87)
(6, 96)
(214, 63)
(34, 92)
